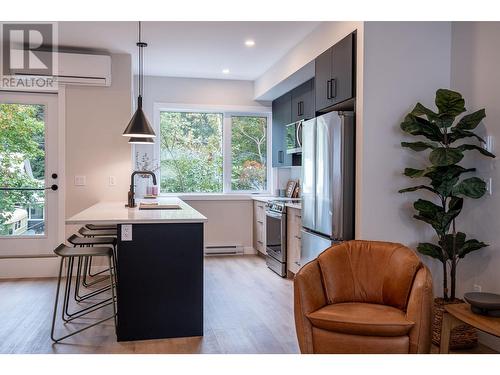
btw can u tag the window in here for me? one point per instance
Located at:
(22, 164)
(248, 153)
(191, 152)
(212, 151)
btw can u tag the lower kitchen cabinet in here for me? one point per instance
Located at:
(259, 226)
(294, 224)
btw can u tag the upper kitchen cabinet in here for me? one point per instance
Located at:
(303, 101)
(335, 74)
(282, 116)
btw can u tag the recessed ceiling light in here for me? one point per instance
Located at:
(249, 43)
(225, 71)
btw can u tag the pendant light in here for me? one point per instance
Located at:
(141, 141)
(139, 126)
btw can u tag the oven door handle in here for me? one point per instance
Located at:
(275, 215)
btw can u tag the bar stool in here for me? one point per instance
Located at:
(66, 252)
(85, 232)
(77, 241)
(97, 232)
(101, 226)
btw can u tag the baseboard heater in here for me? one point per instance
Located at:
(223, 250)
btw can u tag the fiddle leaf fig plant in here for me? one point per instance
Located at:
(446, 179)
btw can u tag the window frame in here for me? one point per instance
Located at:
(227, 112)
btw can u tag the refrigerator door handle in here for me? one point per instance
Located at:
(298, 134)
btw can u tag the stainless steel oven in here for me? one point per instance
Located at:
(276, 237)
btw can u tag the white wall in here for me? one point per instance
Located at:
(229, 221)
(95, 148)
(404, 62)
(475, 61)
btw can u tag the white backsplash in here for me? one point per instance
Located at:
(284, 174)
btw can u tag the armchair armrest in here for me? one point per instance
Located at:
(419, 311)
(309, 296)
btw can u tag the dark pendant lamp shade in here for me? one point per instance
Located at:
(139, 126)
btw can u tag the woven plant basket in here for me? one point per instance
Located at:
(462, 337)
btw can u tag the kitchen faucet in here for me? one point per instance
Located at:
(131, 193)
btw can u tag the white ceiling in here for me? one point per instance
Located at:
(191, 49)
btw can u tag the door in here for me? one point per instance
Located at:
(29, 209)
(282, 116)
(308, 173)
(312, 246)
(323, 80)
(342, 68)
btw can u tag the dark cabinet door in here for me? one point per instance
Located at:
(323, 79)
(342, 70)
(303, 101)
(282, 116)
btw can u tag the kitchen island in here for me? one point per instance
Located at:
(160, 267)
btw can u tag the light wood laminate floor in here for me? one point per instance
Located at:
(248, 309)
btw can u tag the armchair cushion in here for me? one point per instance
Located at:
(366, 319)
(368, 271)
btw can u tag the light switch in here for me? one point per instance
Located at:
(80, 181)
(126, 232)
(112, 181)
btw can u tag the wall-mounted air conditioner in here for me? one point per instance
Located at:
(77, 69)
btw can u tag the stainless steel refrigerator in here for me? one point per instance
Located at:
(327, 182)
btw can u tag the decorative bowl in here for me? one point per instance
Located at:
(484, 303)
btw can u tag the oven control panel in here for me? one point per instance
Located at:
(278, 207)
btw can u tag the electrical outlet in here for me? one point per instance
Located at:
(477, 288)
(80, 181)
(112, 181)
(126, 232)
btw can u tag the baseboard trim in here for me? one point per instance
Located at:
(249, 250)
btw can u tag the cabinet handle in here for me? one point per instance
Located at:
(262, 243)
(328, 89)
(297, 263)
(298, 216)
(280, 156)
(260, 222)
(333, 88)
(297, 237)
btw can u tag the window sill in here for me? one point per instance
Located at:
(216, 197)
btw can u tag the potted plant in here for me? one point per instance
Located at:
(448, 183)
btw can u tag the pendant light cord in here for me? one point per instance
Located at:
(140, 61)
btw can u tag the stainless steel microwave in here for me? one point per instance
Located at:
(294, 138)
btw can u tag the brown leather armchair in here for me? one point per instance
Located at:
(364, 297)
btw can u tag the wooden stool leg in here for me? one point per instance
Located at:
(449, 322)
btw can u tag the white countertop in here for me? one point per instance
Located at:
(117, 213)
